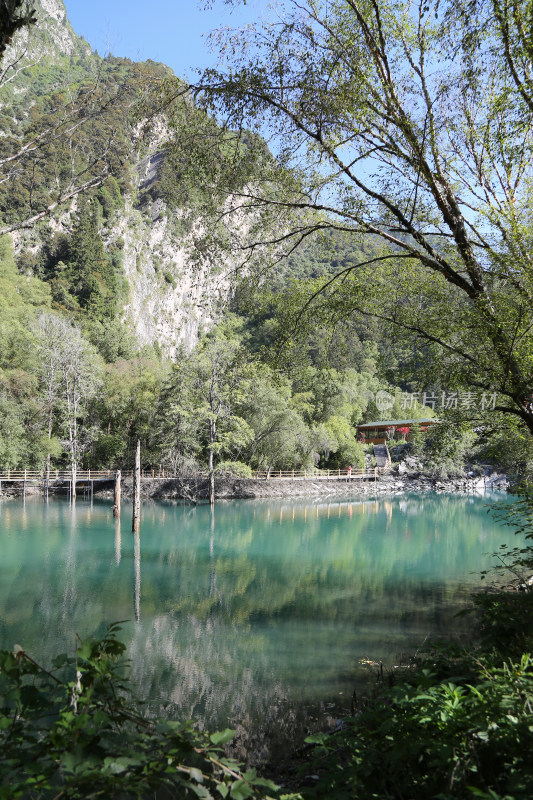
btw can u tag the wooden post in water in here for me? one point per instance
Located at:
(116, 503)
(137, 489)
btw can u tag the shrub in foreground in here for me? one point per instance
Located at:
(437, 736)
(73, 732)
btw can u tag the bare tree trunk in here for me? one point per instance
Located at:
(47, 479)
(73, 433)
(137, 489)
(116, 504)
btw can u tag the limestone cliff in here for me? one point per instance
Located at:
(171, 295)
(52, 36)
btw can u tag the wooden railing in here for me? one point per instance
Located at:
(81, 474)
(103, 474)
(318, 474)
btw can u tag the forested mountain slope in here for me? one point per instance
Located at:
(54, 84)
(104, 291)
(117, 314)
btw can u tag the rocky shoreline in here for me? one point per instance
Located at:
(403, 478)
(196, 489)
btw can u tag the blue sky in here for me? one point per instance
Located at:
(163, 30)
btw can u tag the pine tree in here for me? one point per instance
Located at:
(92, 275)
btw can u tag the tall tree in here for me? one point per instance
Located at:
(70, 375)
(51, 335)
(92, 275)
(207, 387)
(387, 122)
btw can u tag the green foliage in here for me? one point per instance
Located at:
(72, 731)
(12, 433)
(416, 440)
(113, 339)
(110, 198)
(447, 446)
(342, 449)
(21, 298)
(169, 278)
(507, 444)
(126, 410)
(233, 469)
(92, 277)
(466, 732)
(207, 387)
(67, 125)
(258, 415)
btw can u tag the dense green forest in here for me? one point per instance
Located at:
(296, 364)
(412, 280)
(291, 386)
(71, 360)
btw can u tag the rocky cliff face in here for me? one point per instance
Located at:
(171, 296)
(52, 36)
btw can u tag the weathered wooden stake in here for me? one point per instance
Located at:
(116, 503)
(137, 489)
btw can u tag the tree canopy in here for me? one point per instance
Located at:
(409, 124)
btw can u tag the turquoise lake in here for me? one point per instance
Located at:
(256, 606)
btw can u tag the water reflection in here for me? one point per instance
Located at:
(247, 606)
(137, 575)
(118, 552)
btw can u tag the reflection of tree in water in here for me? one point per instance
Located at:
(118, 542)
(203, 672)
(212, 668)
(200, 667)
(70, 583)
(137, 576)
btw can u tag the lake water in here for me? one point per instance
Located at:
(255, 607)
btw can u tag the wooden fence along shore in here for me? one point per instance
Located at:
(58, 477)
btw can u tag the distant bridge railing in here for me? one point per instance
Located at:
(31, 475)
(58, 475)
(81, 474)
(317, 474)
